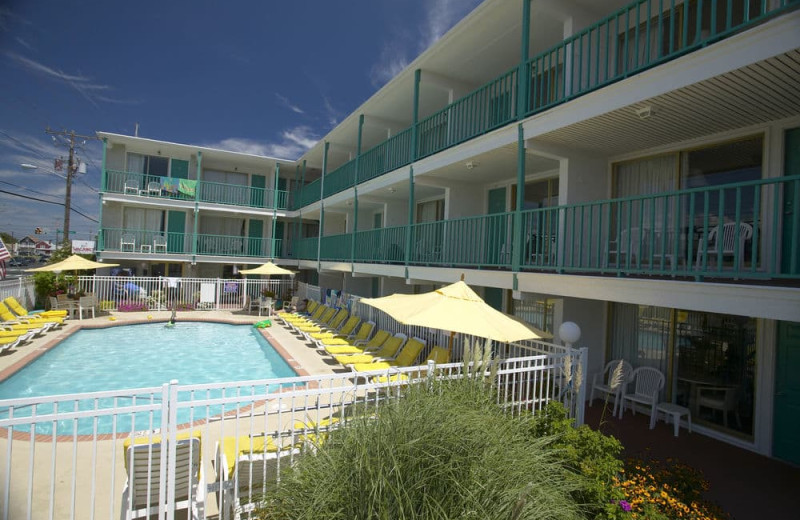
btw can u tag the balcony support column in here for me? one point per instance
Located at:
(322, 202)
(410, 228)
(356, 178)
(296, 226)
(103, 187)
(414, 125)
(523, 76)
(275, 210)
(517, 245)
(196, 206)
(355, 228)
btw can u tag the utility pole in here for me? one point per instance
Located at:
(72, 168)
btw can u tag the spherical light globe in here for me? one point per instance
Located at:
(569, 332)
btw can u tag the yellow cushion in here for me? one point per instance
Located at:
(368, 367)
(322, 335)
(311, 427)
(156, 439)
(247, 445)
(343, 349)
(354, 358)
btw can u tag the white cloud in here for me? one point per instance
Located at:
(392, 61)
(84, 85)
(288, 104)
(292, 144)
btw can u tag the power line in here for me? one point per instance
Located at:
(50, 202)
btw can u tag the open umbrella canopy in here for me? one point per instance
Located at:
(73, 263)
(455, 308)
(267, 269)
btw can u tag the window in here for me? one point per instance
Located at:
(148, 164)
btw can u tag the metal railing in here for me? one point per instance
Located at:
(636, 37)
(306, 248)
(163, 242)
(148, 293)
(22, 289)
(340, 179)
(744, 230)
(65, 456)
(130, 183)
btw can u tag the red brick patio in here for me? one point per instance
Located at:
(745, 484)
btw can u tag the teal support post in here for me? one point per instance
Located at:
(414, 126)
(296, 227)
(322, 202)
(356, 178)
(355, 229)
(274, 209)
(410, 228)
(523, 75)
(104, 178)
(196, 205)
(516, 258)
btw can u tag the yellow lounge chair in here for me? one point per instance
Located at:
(9, 316)
(324, 314)
(364, 332)
(405, 358)
(313, 314)
(15, 306)
(332, 326)
(345, 330)
(438, 355)
(328, 317)
(388, 350)
(375, 343)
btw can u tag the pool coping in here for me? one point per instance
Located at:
(66, 333)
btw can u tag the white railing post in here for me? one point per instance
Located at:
(581, 397)
(169, 435)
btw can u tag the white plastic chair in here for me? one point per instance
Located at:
(602, 382)
(719, 398)
(127, 239)
(627, 245)
(87, 304)
(159, 244)
(153, 189)
(710, 245)
(647, 385)
(131, 187)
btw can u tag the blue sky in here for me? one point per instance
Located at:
(262, 77)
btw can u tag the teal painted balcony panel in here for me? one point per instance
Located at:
(382, 245)
(636, 37)
(336, 247)
(341, 178)
(223, 245)
(491, 106)
(306, 248)
(391, 154)
(128, 183)
(309, 194)
(481, 241)
(144, 241)
(746, 230)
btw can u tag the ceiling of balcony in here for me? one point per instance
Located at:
(756, 94)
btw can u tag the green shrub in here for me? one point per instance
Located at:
(445, 452)
(584, 451)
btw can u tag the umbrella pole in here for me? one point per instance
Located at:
(450, 343)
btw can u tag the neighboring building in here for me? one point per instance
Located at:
(27, 245)
(632, 169)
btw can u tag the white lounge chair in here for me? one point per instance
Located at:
(140, 498)
(647, 385)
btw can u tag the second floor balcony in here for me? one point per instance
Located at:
(138, 184)
(740, 231)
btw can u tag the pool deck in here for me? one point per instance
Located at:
(305, 360)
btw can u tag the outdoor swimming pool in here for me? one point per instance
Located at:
(138, 356)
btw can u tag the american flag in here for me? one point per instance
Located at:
(4, 255)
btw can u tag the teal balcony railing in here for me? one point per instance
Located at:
(643, 34)
(129, 183)
(340, 179)
(746, 230)
(162, 242)
(382, 245)
(336, 247)
(491, 106)
(306, 248)
(636, 37)
(308, 194)
(389, 155)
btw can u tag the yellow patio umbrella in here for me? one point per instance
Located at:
(456, 308)
(73, 263)
(267, 269)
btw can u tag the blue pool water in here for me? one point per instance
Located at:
(136, 356)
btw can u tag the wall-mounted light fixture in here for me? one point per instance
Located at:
(392, 190)
(471, 164)
(645, 112)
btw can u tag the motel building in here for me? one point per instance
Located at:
(632, 166)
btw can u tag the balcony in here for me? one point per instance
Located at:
(635, 38)
(745, 231)
(128, 183)
(154, 243)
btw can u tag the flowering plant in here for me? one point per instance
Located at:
(132, 307)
